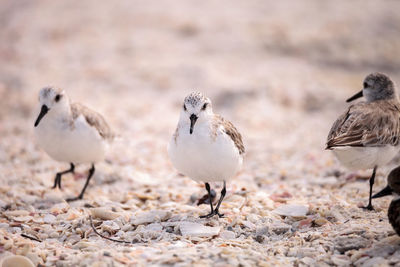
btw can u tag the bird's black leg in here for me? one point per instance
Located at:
(208, 188)
(57, 179)
(223, 192)
(371, 184)
(91, 172)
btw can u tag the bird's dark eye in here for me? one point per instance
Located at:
(184, 107)
(204, 106)
(57, 98)
(365, 85)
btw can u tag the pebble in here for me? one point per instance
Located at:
(320, 221)
(198, 230)
(16, 213)
(291, 210)
(345, 243)
(17, 261)
(103, 214)
(8, 245)
(150, 217)
(280, 228)
(378, 261)
(340, 260)
(23, 218)
(49, 218)
(154, 227)
(227, 235)
(54, 235)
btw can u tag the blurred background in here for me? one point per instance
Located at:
(279, 70)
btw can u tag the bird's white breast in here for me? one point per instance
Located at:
(204, 157)
(77, 143)
(358, 158)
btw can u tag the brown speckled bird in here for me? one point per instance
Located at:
(366, 135)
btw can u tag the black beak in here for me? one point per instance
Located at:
(354, 97)
(43, 112)
(193, 119)
(384, 192)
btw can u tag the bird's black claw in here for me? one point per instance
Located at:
(74, 198)
(212, 214)
(369, 207)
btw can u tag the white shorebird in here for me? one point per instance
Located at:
(205, 146)
(70, 133)
(367, 134)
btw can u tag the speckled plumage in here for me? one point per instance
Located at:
(205, 146)
(394, 215)
(367, 134)
(70, 133)
(194, 98)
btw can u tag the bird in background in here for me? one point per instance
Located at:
(70, 132)
(366, 135)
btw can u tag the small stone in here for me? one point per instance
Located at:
(340, 260)
(280, 228)
(20, 261)
(259, 238)
(227, 235)
(378, 261)
(262, 230)
(345, 243)
(23, 218)
(308, 261)
(8, 245)
(16, 213)
(103, 214)
(320, 221)
(199, 230)
(249, 224)
(59, 208)
(150, 217)
(291, 210)
(54, 235)
(154, 227)
(127, 227)
(49, 218)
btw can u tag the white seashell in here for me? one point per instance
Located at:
(104, 214)
(291, 210)
(154, 227)
(13, 261)
(49, 218)
(15, 213)
(150, 217)
(23, 218)
(198, 230)
(227, 235)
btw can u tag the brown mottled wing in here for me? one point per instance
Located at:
(232, 132)
(394, 215)
(366, 124)
(94, 119)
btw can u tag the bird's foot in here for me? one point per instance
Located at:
(74, 198)
(211, 214)
(369, 207)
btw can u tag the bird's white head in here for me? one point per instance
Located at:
(196, 109)
(52, 101)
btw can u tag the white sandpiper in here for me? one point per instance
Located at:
(205, 146)
(367, 134)
(70, 133)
